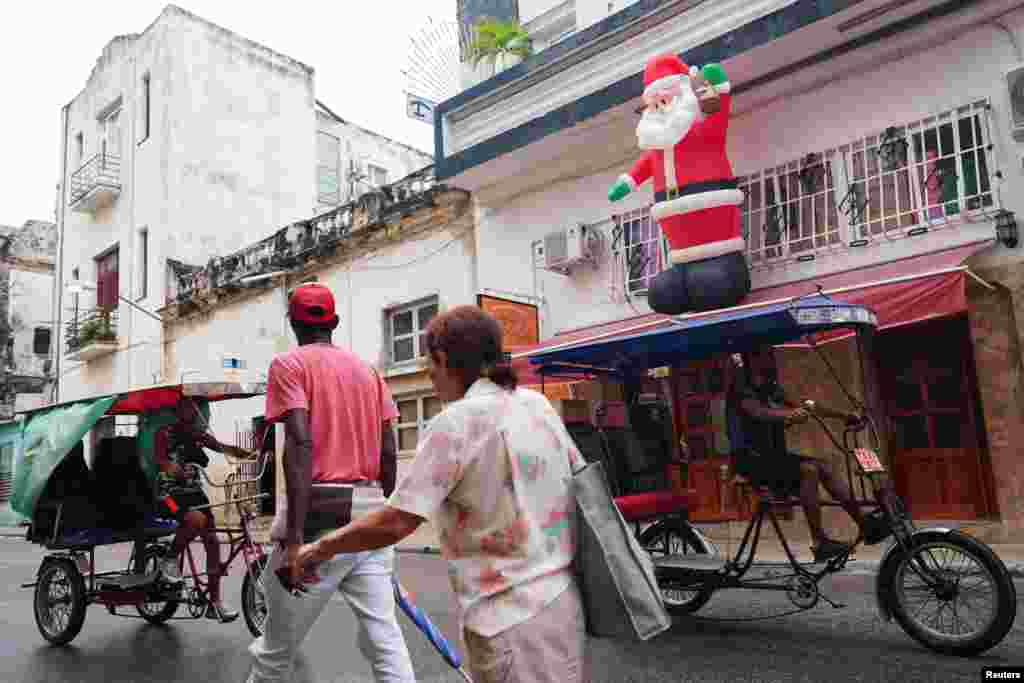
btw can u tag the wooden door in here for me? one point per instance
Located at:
(700, 389)
(930, 392)
(108, 280)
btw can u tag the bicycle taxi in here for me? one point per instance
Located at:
(946, 589)
(76, 501)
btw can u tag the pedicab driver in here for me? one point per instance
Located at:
(178, 451)
(340, 463)
(758, 413)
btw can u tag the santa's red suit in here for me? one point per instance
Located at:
(696, 201)
(696, 197)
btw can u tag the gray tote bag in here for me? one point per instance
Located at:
(616, 576)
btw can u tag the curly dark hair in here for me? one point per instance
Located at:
(471, 338)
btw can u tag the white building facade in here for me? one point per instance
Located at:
(872, 142)
(188, 143)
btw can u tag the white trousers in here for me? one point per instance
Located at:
(364, 579)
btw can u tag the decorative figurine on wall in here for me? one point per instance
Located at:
(696, 198)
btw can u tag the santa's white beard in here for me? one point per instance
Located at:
(662, 129)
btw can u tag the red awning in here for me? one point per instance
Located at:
(899, 292)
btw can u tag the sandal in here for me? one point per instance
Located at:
(828, 549)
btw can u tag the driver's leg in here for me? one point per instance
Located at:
(840, 492)
(217, 610)
(191, 524)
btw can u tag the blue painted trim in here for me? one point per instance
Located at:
(755, 34)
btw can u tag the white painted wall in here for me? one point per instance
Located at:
(366, 147)
(230, 158)
(972, 66)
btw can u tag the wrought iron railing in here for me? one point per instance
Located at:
(88, 326)
(292, 246)
(103, 169)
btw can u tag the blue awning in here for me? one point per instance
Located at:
(689, 338)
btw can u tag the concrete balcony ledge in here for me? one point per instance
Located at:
(93, 350)
(96, 184)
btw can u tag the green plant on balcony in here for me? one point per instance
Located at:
(98, 329)
(496, 41)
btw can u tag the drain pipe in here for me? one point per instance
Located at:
(58, 280)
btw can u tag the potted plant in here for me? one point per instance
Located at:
(502, 43)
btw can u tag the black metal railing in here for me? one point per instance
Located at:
(103, 169)
(95, 325)
(296, 244)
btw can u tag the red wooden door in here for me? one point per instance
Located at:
(700, 390)
(107, 281)
(929, 389)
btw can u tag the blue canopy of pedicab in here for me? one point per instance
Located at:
(683, 339)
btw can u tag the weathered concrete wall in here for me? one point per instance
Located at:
(229, 159)
(26, 304)
(435, 260)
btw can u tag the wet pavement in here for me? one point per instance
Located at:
(824, 644)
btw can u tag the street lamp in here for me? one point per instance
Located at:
(77, 287)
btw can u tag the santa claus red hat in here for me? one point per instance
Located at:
(663, 72)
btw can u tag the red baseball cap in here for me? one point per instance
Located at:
(312, 304)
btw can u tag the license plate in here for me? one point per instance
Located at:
(868, 460)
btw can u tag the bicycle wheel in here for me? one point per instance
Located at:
(155, 611)
(676, 537)
(60, 601)
(951, 593)
(254, 603)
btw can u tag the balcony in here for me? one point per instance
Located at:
(96, 185)
(301, 246)
(91, 334)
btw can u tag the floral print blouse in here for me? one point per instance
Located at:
(492, 473)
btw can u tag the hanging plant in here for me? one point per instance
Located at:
(496, 40)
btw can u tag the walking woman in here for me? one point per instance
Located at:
(492, 475)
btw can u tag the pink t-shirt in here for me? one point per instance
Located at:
(347, 402)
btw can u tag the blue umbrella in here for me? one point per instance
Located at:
(404, 600)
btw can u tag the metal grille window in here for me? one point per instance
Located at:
(407, 327)
(640, 246)
(924, 173)
(413, 415)
(790, 209)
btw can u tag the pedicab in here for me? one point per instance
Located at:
(945, 588)
(76, 502)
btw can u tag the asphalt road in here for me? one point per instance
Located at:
(825, 644)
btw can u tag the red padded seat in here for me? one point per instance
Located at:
(643, 506)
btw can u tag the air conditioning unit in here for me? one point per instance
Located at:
(567, 248)
(1015, 85)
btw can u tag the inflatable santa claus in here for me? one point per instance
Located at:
(696, 198)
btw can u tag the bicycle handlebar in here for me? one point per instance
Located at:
(263, 468)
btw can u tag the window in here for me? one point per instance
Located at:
(641, 248)
(790, 209)
(882, 186)
(41, 341)
(145, 107)
(107, 280)
(414, 414)
(112, 136)
(328, 169)
(377, 176)
(142, 268)
(406, 327)
(79, 149)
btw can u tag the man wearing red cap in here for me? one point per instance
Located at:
(696, 198)
(340, 463)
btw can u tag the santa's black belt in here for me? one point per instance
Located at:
(696, 188)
